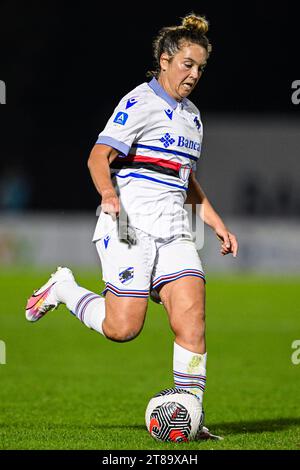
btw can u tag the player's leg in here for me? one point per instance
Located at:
(179, 279)
(124, 317)
(120, 316)
(184, 301)
(117, 318)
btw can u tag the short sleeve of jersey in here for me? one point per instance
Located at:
(125, 125)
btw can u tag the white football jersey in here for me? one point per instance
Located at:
(159, 140)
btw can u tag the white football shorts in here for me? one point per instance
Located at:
(140, 268)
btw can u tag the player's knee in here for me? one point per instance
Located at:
(124, 327)
(122, 333)
(124, 321)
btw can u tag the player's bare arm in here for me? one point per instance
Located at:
(98, 163)
(196, 195)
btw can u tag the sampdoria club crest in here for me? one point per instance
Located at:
(126, 275)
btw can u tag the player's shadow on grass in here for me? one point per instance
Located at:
(266, 425)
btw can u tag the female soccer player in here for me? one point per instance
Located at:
(143, 166)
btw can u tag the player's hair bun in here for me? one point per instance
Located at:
(195, 22)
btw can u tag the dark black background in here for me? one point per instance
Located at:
(66, 66)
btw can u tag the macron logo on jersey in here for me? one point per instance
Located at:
(131, 102)
(106, 240)
(121, 118)
(169, 113)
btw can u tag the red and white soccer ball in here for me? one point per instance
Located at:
(174, 415)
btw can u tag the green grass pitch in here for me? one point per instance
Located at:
(66, 387)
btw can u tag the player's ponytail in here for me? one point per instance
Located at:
(170, 39)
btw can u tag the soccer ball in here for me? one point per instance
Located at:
(174, 415)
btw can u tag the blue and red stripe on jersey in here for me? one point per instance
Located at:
(160, 165)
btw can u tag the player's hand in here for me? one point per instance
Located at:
(229, 243)
(110, 203)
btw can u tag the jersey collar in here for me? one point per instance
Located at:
(158, 89)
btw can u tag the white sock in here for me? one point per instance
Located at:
(189, 370)
(87, 306)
